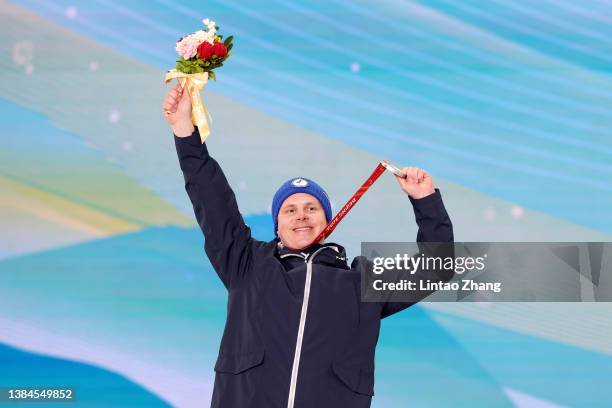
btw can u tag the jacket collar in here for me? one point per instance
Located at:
(334, 255)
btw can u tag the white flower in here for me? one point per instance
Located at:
(210, 25)
(201, 36)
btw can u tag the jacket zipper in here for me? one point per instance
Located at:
(300, 335)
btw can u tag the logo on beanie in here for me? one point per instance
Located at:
(299, 182)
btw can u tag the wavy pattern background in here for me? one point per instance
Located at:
(103, 283)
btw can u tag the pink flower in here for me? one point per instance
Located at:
(187, 47)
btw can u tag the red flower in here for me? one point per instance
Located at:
(219, 50)
(205, 50)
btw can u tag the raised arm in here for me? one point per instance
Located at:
(431, 216)
(228, 241)
(434, 227)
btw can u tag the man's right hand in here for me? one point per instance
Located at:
(177, 111)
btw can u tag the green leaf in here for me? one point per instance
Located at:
(228, 41)
(229, 47)
(191, 66)
(212, 75)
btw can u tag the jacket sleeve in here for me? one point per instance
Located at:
(227, 237)
(434, 227)
(433, 220)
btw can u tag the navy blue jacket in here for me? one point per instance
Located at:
(296, 335)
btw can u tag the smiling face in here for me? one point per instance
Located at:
(300, 219)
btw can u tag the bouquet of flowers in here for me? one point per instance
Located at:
(200, 53)
(203, 50)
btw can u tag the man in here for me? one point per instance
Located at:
(296, 335)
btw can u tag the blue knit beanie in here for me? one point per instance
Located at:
(299, 185)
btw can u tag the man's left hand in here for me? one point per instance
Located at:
(417, 184)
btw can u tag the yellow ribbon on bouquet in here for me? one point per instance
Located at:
(195, 83)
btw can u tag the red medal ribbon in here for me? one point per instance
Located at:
(331, 226)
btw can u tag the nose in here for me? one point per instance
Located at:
(302, 215)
